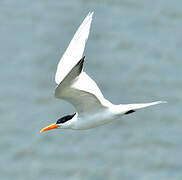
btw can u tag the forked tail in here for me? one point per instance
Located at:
(130, 108)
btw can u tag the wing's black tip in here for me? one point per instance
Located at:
(80, 63)
(129, 112)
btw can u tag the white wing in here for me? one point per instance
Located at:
(75, 50)
(74, 85)
(81, 91)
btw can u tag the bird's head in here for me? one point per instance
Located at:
(64, 122)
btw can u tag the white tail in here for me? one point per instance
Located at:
(129, 108)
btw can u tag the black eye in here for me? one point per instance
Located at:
(65, 118)
(58, 121)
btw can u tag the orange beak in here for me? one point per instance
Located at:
(52, 126)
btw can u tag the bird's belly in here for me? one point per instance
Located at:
(92, 121)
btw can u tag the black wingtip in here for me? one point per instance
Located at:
(80, 63)
(129, 112)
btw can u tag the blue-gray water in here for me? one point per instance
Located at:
(134, 53)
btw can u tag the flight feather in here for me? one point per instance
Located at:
(74, 51)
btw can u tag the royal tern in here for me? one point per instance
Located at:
(76, 87)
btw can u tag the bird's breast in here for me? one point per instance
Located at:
(93, 120)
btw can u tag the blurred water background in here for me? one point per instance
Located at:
(134, 54)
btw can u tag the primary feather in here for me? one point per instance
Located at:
(74, 51)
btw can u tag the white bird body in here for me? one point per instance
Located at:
(103, 116)
(76, 87)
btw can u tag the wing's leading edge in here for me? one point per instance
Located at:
(74, 51)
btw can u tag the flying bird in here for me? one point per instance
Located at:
(79, 89)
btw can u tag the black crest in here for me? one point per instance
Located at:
(65, 118)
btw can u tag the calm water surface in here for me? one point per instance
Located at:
(133, 52)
